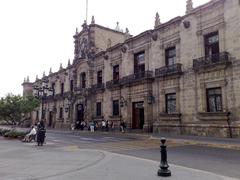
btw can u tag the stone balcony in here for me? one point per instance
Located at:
(97, 87)
(130, 79)
(80, 90)
(175, 69)
(137, 77)
(113, 83)
(220, 60)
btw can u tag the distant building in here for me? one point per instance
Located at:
(183, 76)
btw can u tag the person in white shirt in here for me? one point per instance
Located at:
(30, 136)
(103, 125)
(92, 126)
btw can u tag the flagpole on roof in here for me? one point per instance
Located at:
(86, 10)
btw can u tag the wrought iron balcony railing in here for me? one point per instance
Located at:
(169, 70)
(99, 86)
(113, 83)
(210, 61)
(60, 96)
(80, 90)
(136, 77)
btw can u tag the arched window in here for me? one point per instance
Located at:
(83, 80)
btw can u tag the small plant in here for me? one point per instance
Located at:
(3, 131)
(14, 134)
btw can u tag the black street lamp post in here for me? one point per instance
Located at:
(41, 93)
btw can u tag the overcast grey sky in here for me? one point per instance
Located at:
(37, 34)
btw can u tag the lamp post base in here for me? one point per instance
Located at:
(164, 172)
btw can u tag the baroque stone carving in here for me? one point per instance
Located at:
(106, 56)
(154, 36)
(186, 24)
(124, 48)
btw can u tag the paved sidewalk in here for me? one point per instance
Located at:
(26, 161)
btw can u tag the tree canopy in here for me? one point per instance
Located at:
(13, 108)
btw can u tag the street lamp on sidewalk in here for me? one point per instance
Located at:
(41, 93)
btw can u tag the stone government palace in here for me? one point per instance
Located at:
(181, 77)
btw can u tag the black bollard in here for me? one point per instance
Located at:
(164, 171)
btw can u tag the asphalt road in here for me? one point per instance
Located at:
(217, 160)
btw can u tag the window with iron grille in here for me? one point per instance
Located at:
(170, 56)
(83, 80)
(62, 88)
(99, 77)
(115, 108)
(116, 73)
(53, 89)
(71, 85)
(214, 100)
(60, 113)
(171, 103)
(98, 109)
(139, 62)
(211, 43)
(37, 115)
(43, 114)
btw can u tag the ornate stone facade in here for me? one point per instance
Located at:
(181, 77)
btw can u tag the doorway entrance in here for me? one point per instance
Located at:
(137, 115)
(50, 119)
(80, 116)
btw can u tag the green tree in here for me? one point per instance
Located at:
(14, 108)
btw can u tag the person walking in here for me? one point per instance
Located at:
(107, 125)
(92, 126)
(122, 126)
(103, 125)
(112, 126)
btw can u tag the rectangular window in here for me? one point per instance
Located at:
(139, 63)
(60, 113)
(211, 43)
(115, 108)
(43, 114)
(83, 80)
(53, 89)
(99, 77)
(98, 109)
(170, 56)
(71, 85)
(37, 115)
(62, 88)
(171, 103)
(116, 73)
(214, 100)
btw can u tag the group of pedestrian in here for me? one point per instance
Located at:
(106, 126)
(37, 133)
(92, 126)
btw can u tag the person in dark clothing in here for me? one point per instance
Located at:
(41, 131)
(122, 126)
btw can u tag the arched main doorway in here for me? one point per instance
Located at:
(79, 116)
